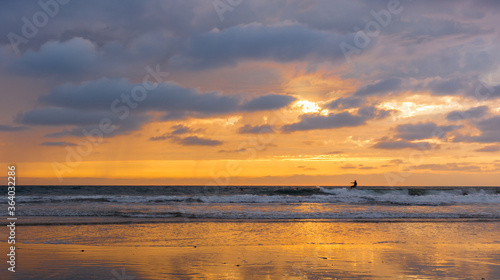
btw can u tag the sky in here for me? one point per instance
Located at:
(240, 92)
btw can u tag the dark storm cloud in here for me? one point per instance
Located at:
(381, 87)
(125, 19)
(166, 97)
(89, 39)
(72, 57)
(10, 128)
(258, 129)
(85, 121)
(284, 43)
(78, 59)
(105, 128)
(472, 113)
(108, 21)
(422, 131)
(388, 144)
(182, 33)
(64, 116)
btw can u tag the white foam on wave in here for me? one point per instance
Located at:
(332, 195)
(402, 196)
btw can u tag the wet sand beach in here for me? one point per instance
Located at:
(259, 250)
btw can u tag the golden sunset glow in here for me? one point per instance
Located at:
(250, 139)
(302, 111)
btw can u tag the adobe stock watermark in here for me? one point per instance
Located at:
(30, 26)
(223, 6)
(482, 91)
(121, 107)
(363, 37)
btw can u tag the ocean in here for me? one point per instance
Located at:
(254, 232)
(143, 204)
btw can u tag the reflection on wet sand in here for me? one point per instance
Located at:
(261, 250)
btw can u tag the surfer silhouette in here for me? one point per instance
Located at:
(354, 185)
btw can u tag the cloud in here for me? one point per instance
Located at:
(492, 92)
(443, 71)
(64, 116)
(401, 144)
(102, 94)
(181, 129)
(372, 112)
(489, 125)
(472, 113)
(315, 121)
(422, 131)
(366, 167)
(256, 41)
(10, 128)
(106, 123)
(59, 144)
(360, 166)
(87, 104)
(348, 166)
(258, 129)
(490, 132)
(68, 58)
(489, 149)
(441, 63)
(396, 161)
(161, 137)
(191, 140)
(165, 97)
(345, 103)
(448, 86)
(381, 87)
(196, 141)
(233, 151)
(267, 102)
(334, 153)
(426, 28)
(448, 167)
(303, 167)
(344, 119)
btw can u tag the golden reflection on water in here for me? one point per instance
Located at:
(261, 250)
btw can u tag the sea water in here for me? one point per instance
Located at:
(116, 204)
